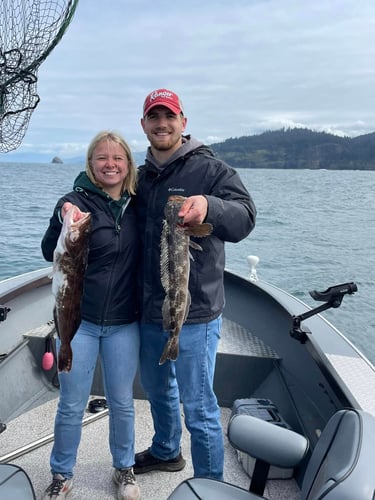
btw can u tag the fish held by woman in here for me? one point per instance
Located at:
(175, 270)
(69, 266)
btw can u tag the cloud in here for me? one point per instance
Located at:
(239, 68)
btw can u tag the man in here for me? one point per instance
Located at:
(180, 165)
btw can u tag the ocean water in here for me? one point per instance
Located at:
(314, 229)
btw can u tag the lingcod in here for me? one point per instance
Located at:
(69, 266)
(175, 270)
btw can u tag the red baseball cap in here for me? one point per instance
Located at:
(163, 97)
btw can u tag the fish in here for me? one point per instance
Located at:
(69, 265)
(175, 244)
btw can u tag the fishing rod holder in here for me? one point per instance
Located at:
(4, 312)
(332, 297)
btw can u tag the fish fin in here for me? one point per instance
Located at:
(200, 230)
(188, 303)
(65, 358)
(166, 314)
(164, 256)
(170, 350)
(194, 245)
(55, 319)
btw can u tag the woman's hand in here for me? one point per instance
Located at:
(67, 206)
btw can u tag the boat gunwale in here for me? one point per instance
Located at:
(13, 287)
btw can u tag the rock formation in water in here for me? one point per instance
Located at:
(56, 159)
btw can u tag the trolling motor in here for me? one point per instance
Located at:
(332, 297)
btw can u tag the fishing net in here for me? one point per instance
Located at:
(29, 30)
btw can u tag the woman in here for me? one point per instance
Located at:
(109, 314)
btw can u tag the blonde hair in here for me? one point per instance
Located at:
(130, 180)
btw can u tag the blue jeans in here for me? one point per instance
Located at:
(189, 378)
(118, 348)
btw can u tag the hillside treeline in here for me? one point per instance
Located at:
(299, 148)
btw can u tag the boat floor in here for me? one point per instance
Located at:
(93, 470)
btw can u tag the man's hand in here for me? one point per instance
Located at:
(194, 210)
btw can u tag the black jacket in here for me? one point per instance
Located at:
(192, 170)
(109, 294)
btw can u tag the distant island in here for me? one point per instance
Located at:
(298, 148)
(56, 159)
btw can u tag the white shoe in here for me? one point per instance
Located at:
(59, 488)
(128, 488)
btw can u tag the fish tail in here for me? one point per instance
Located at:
(170, 351)
(65, 358)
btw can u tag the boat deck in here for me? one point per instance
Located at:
(299, 384)
(32, 435)
(93, 470)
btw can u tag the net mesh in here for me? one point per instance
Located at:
(29, 30)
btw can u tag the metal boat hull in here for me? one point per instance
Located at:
(257, 357)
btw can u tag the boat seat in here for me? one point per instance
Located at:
(340, 466)
(15, 483)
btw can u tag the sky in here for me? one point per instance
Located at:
(239, 67)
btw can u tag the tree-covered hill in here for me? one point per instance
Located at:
(299, 148)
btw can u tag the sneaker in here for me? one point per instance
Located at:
(59, 488)
(145, 462)
(128, 488)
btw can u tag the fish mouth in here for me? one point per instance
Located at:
(176, 198)
(77, 218)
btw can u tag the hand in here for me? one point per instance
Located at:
(194, 210)
(67, 206)
(76, 213)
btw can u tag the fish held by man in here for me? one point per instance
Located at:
(175, 270)
(69, 266)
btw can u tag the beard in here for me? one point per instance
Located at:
(173, 142)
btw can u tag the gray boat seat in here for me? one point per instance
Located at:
(340, 467)
(15, 483)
